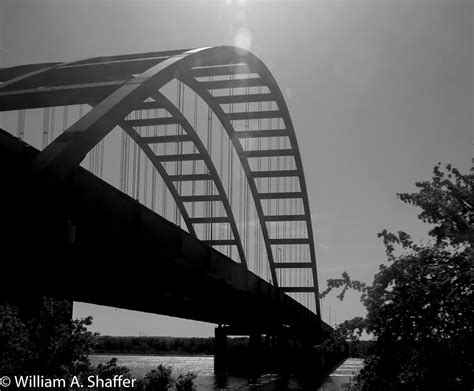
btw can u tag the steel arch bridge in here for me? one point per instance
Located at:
(127, 91)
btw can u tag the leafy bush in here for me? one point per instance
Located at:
(186, 382)
(159, 379)
(110, 369)
(162, 379)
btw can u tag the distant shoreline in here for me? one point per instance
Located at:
(175, 354)
(154, 346)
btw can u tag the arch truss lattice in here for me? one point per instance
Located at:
(238, 89)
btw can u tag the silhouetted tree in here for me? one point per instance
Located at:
(48, 343)
(420, 307)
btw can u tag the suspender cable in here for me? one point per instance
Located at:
(145, 172)
(193, 183)
(96, 159)
(269, 183)
(178, 145)
(127, 164)
(122, 161)
(165, 194)
(65, 117)
(247, 213)
(21, 124)
(46, 112)
(207, 205)
(277, 184)
(229, 173)
(181, 146)
(209, 183)
(291, 224)
(241, 185)
(102, 150)
(92, 159)
(221, 174)
(245, 187)
(153, 172)
(51, 124)
(134, 166)
(259, 188)
(242, 221)
(96, 153)
(300, 247)
(285, 224)
(134, 171)
(139, 159)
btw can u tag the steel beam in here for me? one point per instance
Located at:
(244, 98)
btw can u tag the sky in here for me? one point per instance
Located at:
(379, 93)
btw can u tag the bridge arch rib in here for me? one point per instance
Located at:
(235, 69)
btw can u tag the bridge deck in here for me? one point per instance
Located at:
(120, 253)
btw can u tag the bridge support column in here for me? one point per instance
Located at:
(282, 353)
(221, 351)
(255, 353)
(307, 361)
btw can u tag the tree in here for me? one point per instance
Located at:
(39, 337)
(420, 307)
(48, 343)
(14, 346)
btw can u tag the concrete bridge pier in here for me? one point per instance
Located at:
(255, 359)
(282, 352)
(264, 353)
(221, 351)
(251, 361)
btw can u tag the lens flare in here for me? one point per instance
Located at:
(243, 39)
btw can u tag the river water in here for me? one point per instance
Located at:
(203, 367)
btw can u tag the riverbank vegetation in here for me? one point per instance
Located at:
(38, 337)
(163, 345)
(159, 379)
(154, 345)
(420, 306)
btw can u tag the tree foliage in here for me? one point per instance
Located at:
(110, 369)
(154, 345)
(44, 340)
(159, 379)
(48, 343)
(420, 307)
(447, 202)
(185, 382)
(162, 379)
